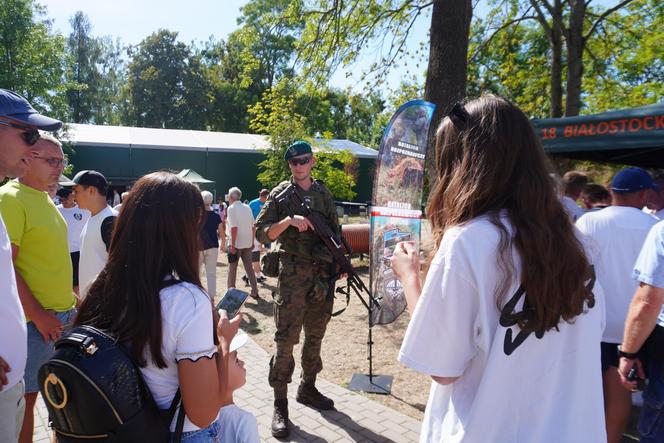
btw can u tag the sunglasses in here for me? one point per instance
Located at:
(299, 161)
(30, 135)
(54, 162)
(459, 116)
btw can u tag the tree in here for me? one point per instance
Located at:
(512, 55)
(626, 59)
(112, 67)
(165, 86)
(336, 113)
(514, 64)
(277, 117)
(31, 56)
(84, 76)
(337, 33)
(254, 57)
(568, 24)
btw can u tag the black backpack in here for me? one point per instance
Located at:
(94, 392)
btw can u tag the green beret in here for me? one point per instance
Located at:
(298, 148)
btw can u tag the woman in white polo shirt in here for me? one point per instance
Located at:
(509, 321)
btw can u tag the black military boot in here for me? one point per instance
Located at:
(307, 394)
(280, 426)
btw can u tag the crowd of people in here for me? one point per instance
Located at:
(552, 308)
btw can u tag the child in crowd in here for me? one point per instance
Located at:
(237, 425)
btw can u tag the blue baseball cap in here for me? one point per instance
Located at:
(632, 180)
(17, 108)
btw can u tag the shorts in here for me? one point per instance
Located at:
(255, 256)
(75, 257)
(12, 408)
(211, 434)
(39, 352)
(651, 418)
(609, 355)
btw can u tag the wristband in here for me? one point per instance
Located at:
(627, 355)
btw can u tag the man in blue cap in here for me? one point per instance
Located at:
(616, 235)
(19, 131)
(303, 300)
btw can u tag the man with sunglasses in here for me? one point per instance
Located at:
(38, 236)
(302, 301)
(19, 124)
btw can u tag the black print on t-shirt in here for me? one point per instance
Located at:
(509, 318)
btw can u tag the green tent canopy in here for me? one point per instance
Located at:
(192, 176)
(629, 136)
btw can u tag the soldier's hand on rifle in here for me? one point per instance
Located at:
(300, 223)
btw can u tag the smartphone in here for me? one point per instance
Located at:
(232, 301)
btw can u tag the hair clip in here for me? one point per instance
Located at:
(459, 115)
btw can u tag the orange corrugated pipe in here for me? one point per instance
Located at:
(357, 236)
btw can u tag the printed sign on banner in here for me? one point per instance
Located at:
(397, 198)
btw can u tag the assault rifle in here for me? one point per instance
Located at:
(336, 244)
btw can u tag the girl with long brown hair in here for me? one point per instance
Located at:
(149, 297)
(509, 320)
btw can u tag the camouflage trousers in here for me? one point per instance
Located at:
(302, 302)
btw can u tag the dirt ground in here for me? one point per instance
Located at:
(345, 350)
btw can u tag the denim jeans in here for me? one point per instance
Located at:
(651, 421)
(211, 434)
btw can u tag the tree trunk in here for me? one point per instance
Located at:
(556, 38)
(448, 60)
(575, 46)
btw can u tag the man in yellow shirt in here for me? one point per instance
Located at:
(38, 236)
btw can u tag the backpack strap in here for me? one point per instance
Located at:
(179, 425)
(107, 230)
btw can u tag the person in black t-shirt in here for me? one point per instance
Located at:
(210, 232)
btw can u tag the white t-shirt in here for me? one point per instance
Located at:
(240, 216)
(76, 219)
(238, 425)
(615, 237)
(186, 314)
(572, 209)
(93, 250)
(540, 390)
(13, 332)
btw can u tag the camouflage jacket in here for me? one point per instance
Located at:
(305, 244)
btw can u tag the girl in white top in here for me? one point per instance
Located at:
(149, 296)
(509, 321)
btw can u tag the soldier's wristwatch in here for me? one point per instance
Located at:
(627, 355)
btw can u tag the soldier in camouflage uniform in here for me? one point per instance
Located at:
(305, 296)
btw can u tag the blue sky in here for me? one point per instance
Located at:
(133, 20)
(194, 20)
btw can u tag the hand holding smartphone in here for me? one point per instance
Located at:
(232, 301)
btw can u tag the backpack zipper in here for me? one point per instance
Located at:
(67, 434)
(110, 405)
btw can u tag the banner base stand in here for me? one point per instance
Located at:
(374, 384)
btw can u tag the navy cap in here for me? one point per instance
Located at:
(91, 178)
(632, 180)
(298, 148)
(15, 107)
